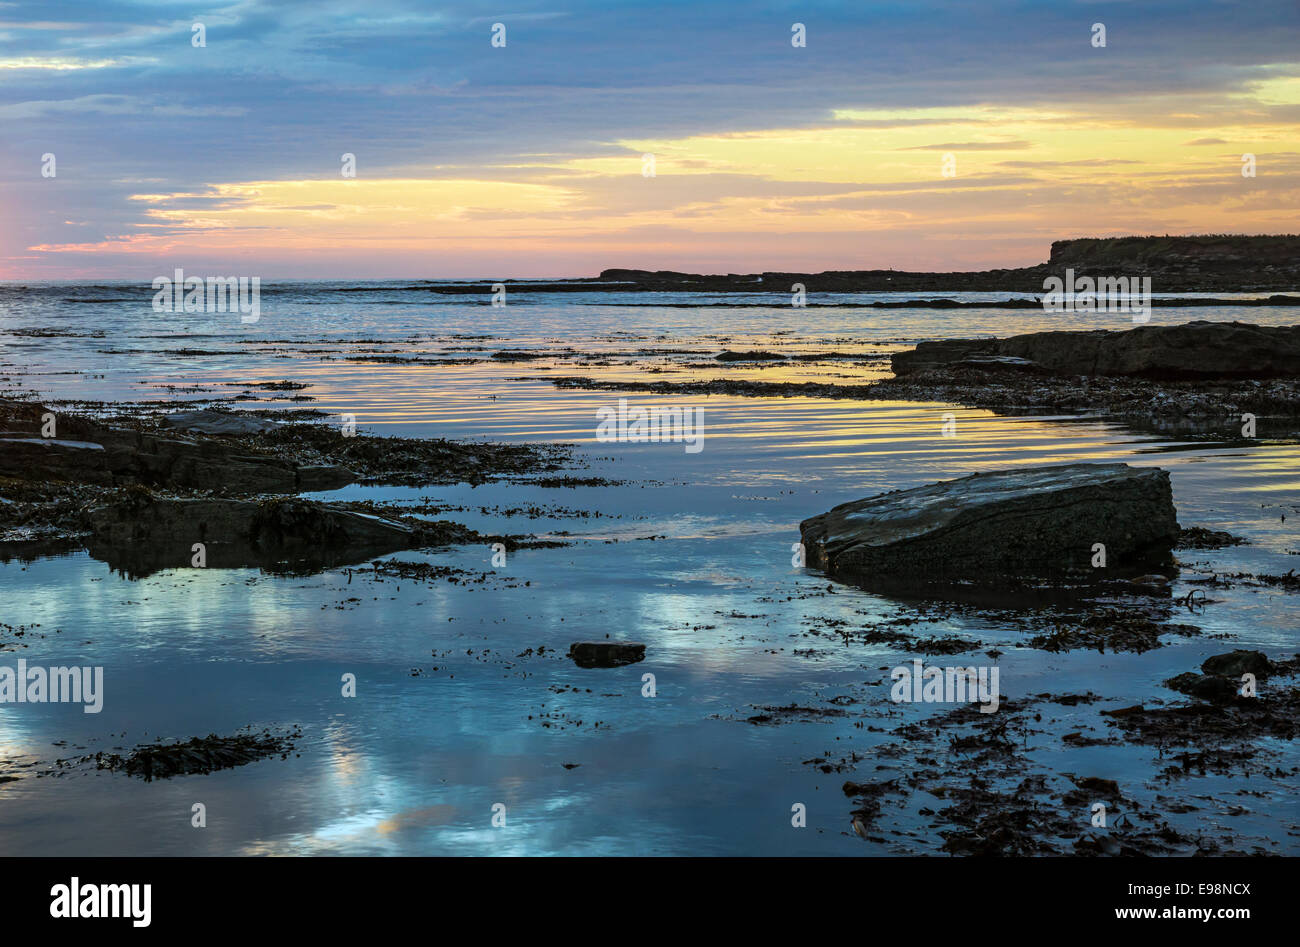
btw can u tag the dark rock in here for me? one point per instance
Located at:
(1192, 351)
(606, 654)
(998, 527)
(1200, 537)
(749, 357)
(1106, 787)
(1236, 663)
(928, 356)
(95, 453)
(319, 477)
(1001, 363)
(1205, 686)
(54, 459)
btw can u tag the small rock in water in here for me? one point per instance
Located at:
(1236, 663)
(1209, 687)
(1106, 787)
(606, 654)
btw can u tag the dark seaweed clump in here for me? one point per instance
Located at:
(200, 755)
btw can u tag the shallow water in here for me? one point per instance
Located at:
(453, 714)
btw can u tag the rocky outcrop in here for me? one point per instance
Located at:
(1003, 527)
(1197, 350)
(1175, 260)
(1175, 264)
(87, 451)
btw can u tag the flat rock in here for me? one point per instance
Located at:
(1000, 363)
(96, 453)
(40, 458)
(50, 443)
(606, 654)
(218, 422)
(1001, 527)
(1197, 350)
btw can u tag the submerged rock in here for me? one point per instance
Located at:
(606, 654)
(1191, 351)
(149, 533)
(1040, 522)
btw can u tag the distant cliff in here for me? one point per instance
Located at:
(1213, 262)
(1220, 254)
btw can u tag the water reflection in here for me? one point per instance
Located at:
(457, 709)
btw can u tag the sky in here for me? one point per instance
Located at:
(918, 135)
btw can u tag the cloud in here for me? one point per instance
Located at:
(973, 146)
(112, 105)
(65, 63)
(748, 131)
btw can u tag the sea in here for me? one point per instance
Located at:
(471, 732)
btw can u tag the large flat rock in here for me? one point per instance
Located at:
(1197, 350)
(999, 527)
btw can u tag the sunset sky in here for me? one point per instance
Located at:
(526, 160)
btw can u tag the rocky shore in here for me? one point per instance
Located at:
(1212, 351)
(141, 492)
(1197, 378)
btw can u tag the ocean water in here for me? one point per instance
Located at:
(457, 711)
